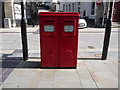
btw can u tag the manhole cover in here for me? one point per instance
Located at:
(98, 55)
(91, 47)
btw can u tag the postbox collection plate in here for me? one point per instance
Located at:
(68, 28)
(49, 28)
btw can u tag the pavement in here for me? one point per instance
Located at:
(91, 71)
(116, 24)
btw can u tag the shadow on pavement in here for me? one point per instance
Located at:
(89, 58)
(19, 63)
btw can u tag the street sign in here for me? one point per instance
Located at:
(17, 8)
(99, 2)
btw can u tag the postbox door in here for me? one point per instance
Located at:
(68, 41)
(50, 41)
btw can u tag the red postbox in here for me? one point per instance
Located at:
(59, 39)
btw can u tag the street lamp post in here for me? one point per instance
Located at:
(107, 33)
(23, 33)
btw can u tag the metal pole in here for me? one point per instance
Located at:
(107, 33)
(24, 34)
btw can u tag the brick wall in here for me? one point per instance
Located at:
(116, 12)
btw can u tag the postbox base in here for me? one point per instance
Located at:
(58, 67)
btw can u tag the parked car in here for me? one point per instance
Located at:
(82, 23)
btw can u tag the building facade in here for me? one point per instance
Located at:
(95, 11)
(9, 12)
(90, 10)
(86, 9)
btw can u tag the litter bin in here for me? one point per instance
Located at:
(58, 39)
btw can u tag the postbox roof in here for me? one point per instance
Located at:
(58, 14)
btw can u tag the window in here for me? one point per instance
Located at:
(93, 8)
(84, 13)
(69, 8)
(63, 7)
(78, 3)
(73, 7)
(78, 9)
(66, 7)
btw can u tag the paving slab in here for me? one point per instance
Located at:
(24, 78)
(86, 78)
(96, 66)
(1, 71)
(3, 78)
(7, 72)
(45, 84)
(80, 63)
(112, 67)
(67, 85)
(48, 75)
(66, 78)
(47, 78)
(67, 75)
(105, 79)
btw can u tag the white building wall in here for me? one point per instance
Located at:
(84, 6)
(76, 6)
(87, 7)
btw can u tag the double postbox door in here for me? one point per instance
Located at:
(58, 40)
